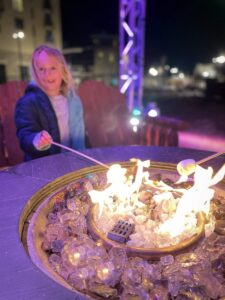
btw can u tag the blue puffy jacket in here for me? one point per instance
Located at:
(35, 113)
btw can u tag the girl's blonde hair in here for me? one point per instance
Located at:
(67, 81)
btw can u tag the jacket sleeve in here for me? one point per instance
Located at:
(27, 123)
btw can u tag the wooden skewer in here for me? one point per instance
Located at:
(81, 154)
(209, 158)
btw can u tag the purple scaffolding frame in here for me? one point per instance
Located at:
(131, 27)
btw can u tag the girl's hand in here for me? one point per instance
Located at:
(42, 140)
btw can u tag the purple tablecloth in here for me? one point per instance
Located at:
(20, 278)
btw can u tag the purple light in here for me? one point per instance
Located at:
(128, 30)
(127, 48)
(132, 16)
(126, 85)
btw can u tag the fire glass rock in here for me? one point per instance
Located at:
(79, 278)
(55, 259)
(220, 227)
(159, 292)
(52, 217)
(191, 294)
(58, 206)
(55, 262)
(87, 185)
(104, 291)
(70, 193)
(118, 257)
(187, 259)
(196, 277)
(55, 231)
(97, 180)
(78, 206)
(218, 208)
(219, 264)
(57, 246)
(71, 204)
(167, 260)
(136, 279)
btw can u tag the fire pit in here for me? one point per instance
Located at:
(73, 261)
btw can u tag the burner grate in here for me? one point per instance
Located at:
(121, 231)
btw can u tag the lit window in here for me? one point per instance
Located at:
(17, 5)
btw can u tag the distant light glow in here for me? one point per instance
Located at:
(21, 34)
(153, 72)
(167, 67)
(220, 59)
(181, 75)
(18, 35)
(174, 70)
(136, 112)
(134, 121)
(152, 110)
(153, 113)
(205, 74)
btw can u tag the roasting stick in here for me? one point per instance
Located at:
(209, 157)
(81, 154)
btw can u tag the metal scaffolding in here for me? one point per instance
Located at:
(131, 27)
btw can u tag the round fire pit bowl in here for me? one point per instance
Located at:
(33, 221)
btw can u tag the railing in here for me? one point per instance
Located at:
(107, 120)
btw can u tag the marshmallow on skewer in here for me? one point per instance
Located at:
(186, 167)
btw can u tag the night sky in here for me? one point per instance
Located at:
(180, 33)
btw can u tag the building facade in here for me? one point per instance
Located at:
(98, 61)
(25, 24)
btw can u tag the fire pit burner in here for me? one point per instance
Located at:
(98, 272)
(121, 231)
